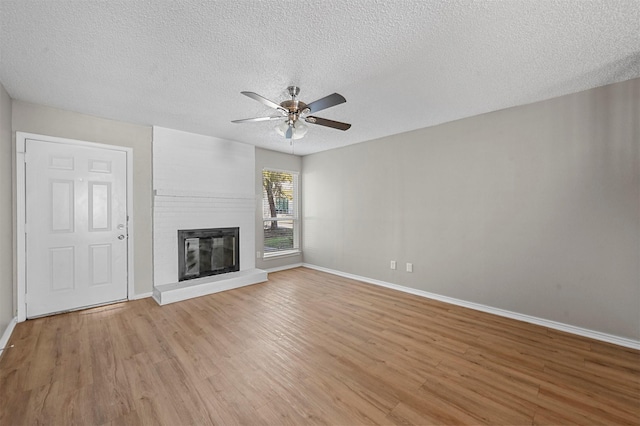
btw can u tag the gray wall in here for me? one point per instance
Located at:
(272, 160)
(6, 212)
(533, 209)
(44, 120)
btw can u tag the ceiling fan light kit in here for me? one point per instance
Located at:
(298, 131)
(294, 113)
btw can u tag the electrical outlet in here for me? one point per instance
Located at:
(409, 267)
(257, 255)
(393, 264)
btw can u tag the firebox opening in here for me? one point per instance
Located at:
(205, 252)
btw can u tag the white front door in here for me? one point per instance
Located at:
(76, 226)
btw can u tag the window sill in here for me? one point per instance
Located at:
(279, 254)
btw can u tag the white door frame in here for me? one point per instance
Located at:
(21, 237)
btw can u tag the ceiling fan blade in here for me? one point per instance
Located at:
(264, 100)
(326, 102)
(289, 133)
(328, 123)
(251, 120)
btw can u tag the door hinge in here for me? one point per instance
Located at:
(25, 157)
(26, 228)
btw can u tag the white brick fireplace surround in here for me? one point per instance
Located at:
(200, 182)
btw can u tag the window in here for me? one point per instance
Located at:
(280, 212)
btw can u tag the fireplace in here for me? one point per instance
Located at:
(205, 252)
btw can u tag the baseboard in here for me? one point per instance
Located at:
(4, 341)
(283, 268)
(141, 296)
(157, 298)
(604, 337)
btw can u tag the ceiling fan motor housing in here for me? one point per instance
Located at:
(295, 108)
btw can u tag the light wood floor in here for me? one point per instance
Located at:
(309, 348)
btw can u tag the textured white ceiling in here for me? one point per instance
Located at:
(401, 64)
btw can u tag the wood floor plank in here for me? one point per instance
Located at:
(309, 348)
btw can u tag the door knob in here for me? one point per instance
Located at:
(121, 237)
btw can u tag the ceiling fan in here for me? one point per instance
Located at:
(293, 112)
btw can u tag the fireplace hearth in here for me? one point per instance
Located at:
(206, 252)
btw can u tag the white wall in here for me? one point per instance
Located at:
(534, 209)
(6, 212)
(200, 182)
(44, 120)
(266, 159)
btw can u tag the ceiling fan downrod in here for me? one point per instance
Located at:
(294, 91)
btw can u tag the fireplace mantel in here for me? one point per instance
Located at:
(200, 194)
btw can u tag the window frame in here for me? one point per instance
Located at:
(295, 218)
